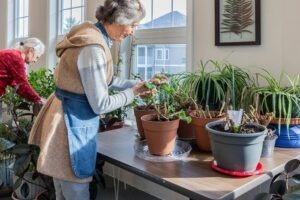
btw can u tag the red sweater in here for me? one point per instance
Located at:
(13, 73)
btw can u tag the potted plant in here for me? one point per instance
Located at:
(161, 128)
(114, 119)
(285, 185)
(200, 118)
(270, 138)
(236, 148)
(215, 82)
(284, 102)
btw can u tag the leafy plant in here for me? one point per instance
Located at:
(283, 101)
(215, 83)
(42, 81)
(285, 185)
(166, 104)
(237, 16)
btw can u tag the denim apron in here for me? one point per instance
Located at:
(82, 127)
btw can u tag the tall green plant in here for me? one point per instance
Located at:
(42, 80)
(215, 83)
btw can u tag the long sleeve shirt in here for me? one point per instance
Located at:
(13, 73)
(92, 69)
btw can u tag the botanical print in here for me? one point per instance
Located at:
(237, 21)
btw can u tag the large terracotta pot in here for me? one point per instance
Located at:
(139, 112)
(202, 138)
(185, 131)
(161, 135)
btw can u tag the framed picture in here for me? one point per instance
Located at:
(237, 22)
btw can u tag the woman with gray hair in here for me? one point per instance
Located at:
(67, 126)
(13, 71)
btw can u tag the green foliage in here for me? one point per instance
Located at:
(283, 101)
(216, 82)
(237, 16)
(42, 81)
(285, 185)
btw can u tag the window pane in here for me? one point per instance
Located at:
(162, 14)
(173, 60)
(20, 28)
(141, 55)
(179, 13)
(66, 4)
(147, 4)
(25, 33)
(25, 8)
(20, 8)
(141, 72)
(76, 14)
(67, 21)
(76, 3)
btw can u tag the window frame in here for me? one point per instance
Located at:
(169, 35)
(17, 19)
(60, 15)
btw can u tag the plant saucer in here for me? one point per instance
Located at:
(259, 169)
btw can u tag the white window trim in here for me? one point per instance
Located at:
(173, 35)
(17, 21)
(59, 18)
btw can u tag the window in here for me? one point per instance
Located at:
(71, 13)
(21, 18)
(162, 33)
(158, 54)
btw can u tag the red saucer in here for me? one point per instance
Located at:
(259, 169)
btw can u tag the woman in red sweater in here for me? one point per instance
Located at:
(13, 71)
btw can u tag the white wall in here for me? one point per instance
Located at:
(280, 42)
(279, 49)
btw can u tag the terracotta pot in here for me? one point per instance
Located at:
(202, 138)
(139, 112)
(185, 130)
(161, 135)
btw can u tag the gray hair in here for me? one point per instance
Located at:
(35, 43)
(123, 12)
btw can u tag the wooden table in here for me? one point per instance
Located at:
(192, 177)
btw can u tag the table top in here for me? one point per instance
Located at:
(193, 176)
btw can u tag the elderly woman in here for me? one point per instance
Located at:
(66, 128)
(13, 71)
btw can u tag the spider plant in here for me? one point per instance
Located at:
(216, 82)
(283, 101)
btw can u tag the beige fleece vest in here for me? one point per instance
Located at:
(49, 131)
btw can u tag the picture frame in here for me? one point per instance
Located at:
(237, 22)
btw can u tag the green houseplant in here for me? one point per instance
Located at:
(161, 128)
(28, 182)
(285, 185)
(215, 82)
(283, 101)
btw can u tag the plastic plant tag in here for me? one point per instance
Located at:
(236, 117)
